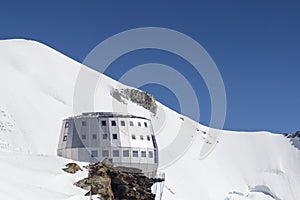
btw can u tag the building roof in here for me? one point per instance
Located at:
(106, 115)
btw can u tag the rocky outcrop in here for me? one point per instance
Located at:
(136, 96)
(296, 134)
(111, 183)
(294, 139)
(72, 168)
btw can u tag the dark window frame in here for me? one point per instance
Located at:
(150, 153)
(148, 138)
(113, 123)
(135, 153)
(94, 153)
(143, 154)
(126, 153)
(114, 136)
(104, 153)
(115, 154)
(105, 136)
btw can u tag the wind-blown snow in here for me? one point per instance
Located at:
(37, 87)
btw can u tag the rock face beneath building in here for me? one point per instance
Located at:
(136, 96)
(111, 183)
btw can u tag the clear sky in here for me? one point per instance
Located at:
(255, 44)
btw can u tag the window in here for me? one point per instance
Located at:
(105, 153)
(122, 123)
(67, 125)
(113, 123)
(133, 137)
(131, 123)
(115, 136)
(83, 137)
(148, 138)
(103, 123)
(94, 154)
(104, 136)
(83, 123)
(142, 138)
(150, 154)
(125, 153)
(94, 136)
(143, 154)
(116, 153)
(139, 123)
(146, 125)
(155, 156)
(65, 138)
(135, 153)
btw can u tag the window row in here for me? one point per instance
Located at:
(113, 123)
(141, 137)
(116, 153)
(122, 123)
(114, 137)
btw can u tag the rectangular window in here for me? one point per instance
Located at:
(148, 138)
(113, 123)
(142, 138)
(122, 123)
(135, 153)
(94, 154)
(133, 137)
(94, 136)
(131, 123)
(150, 154)
(146, 125)
(115, 136)
(104, 136)
(83, 123)
(139, 123)
(67, 125)
(143, 154)
(83, 137)
(65, 138)
(105, 153)
(125, 153)
(103, 123)
(116, 153)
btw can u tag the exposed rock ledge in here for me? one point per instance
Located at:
(111, 183)
(136, 96)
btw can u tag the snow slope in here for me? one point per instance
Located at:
(37, 87)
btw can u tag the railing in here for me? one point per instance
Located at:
(158, 188)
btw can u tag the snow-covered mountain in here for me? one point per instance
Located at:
(37, 87)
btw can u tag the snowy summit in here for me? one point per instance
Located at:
(37, 87)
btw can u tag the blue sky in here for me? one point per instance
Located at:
(255, 44)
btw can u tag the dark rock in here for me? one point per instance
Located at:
(72, 168)
(112, 183)
(296, 134)
(136, 96)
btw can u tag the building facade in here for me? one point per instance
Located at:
(127, 139)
